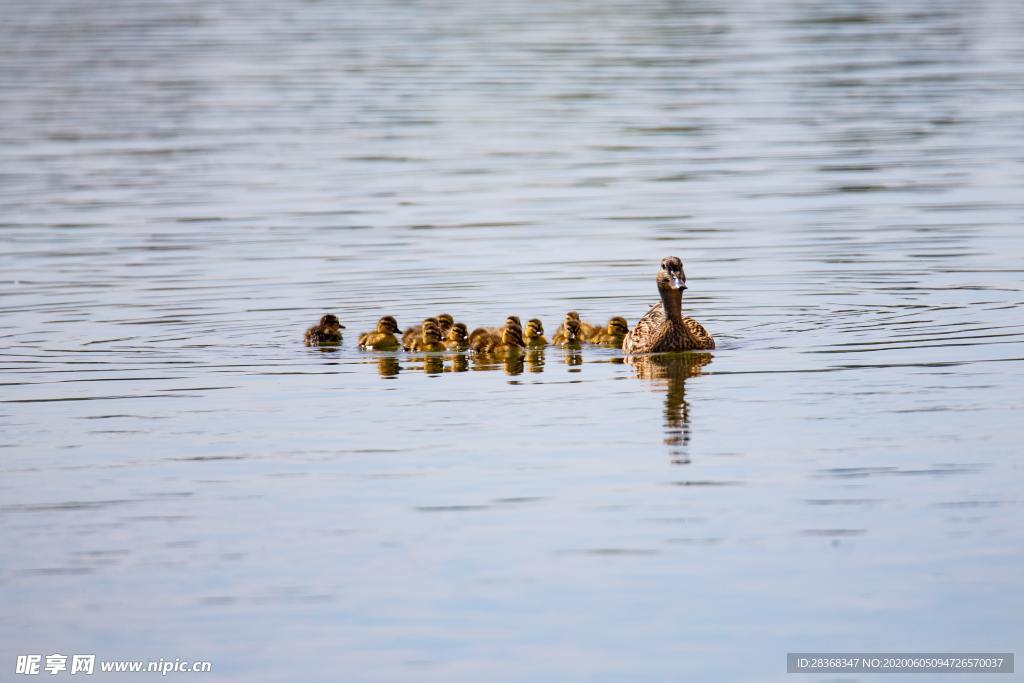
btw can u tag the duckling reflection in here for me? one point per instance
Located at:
(388, 367)
(672, 370)
(459, 362)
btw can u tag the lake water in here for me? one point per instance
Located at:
(185, 186)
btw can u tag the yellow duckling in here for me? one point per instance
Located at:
(586, 329)
(484, 338)
(613, 334)
(572, 334)
(383, 339)
(325, 332)
(445, 322)
(411, 334)
(430, 338)
(534, 334)
(511, 343)
(458, 338)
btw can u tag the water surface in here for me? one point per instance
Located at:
(185, 186)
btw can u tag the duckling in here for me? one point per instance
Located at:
(613, 334)
(586, 329)
(411, 334)
(445, 322)
(572, 333)
(430, 338)
(479, 338)
(458, 338)
(327, 331)
(664, 328)
(534, 334)
(510, 320)
(483, 339)
(383, 339)
(511, 343)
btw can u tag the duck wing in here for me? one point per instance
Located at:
(700, 338)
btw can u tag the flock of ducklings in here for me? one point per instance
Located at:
(663, 328)
(444, 333)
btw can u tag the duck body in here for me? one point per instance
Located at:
(325, 332)
(613, 334)
(458, 338)
(533, 335)
(571, 335)
(383, 338)
(429, 339)
(664, 328)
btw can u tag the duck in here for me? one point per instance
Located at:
(411, 334)
(327, 331)
(586, 329)
(664, 328)
(509, 343)
(383, 339)
(445, 322)
(457, 338)
(484, 338)
(571, 335)
(533, 335)
(512, 320)
(429, 339)
(612, 334)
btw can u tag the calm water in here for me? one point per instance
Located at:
(185, 186)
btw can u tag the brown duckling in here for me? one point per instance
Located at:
(572, 334)
(484, 338)
(613, 334)
(457, 338)
(411, 334)
(445, 322)
(664, 328)
(327, 331)
(430, 338)
(534, 334)
(478, 338)
(383, 339)
(586, 329)
(511, 343)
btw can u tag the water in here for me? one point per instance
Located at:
(185, 186)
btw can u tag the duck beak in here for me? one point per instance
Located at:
(341, 326)
(678, 283)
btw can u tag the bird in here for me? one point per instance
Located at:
(664, 328)
(458, 338)
(586, 329)
(429, 339)
(533, 335)
(411, 334)
(572, 333)
(383, 339)
(327, 331)
(445, 322)
(612, 334)
(509, 342)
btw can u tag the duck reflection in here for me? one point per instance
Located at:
(671, 370)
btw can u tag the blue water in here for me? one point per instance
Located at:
(186, 186)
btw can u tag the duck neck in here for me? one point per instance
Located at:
(672, 299)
